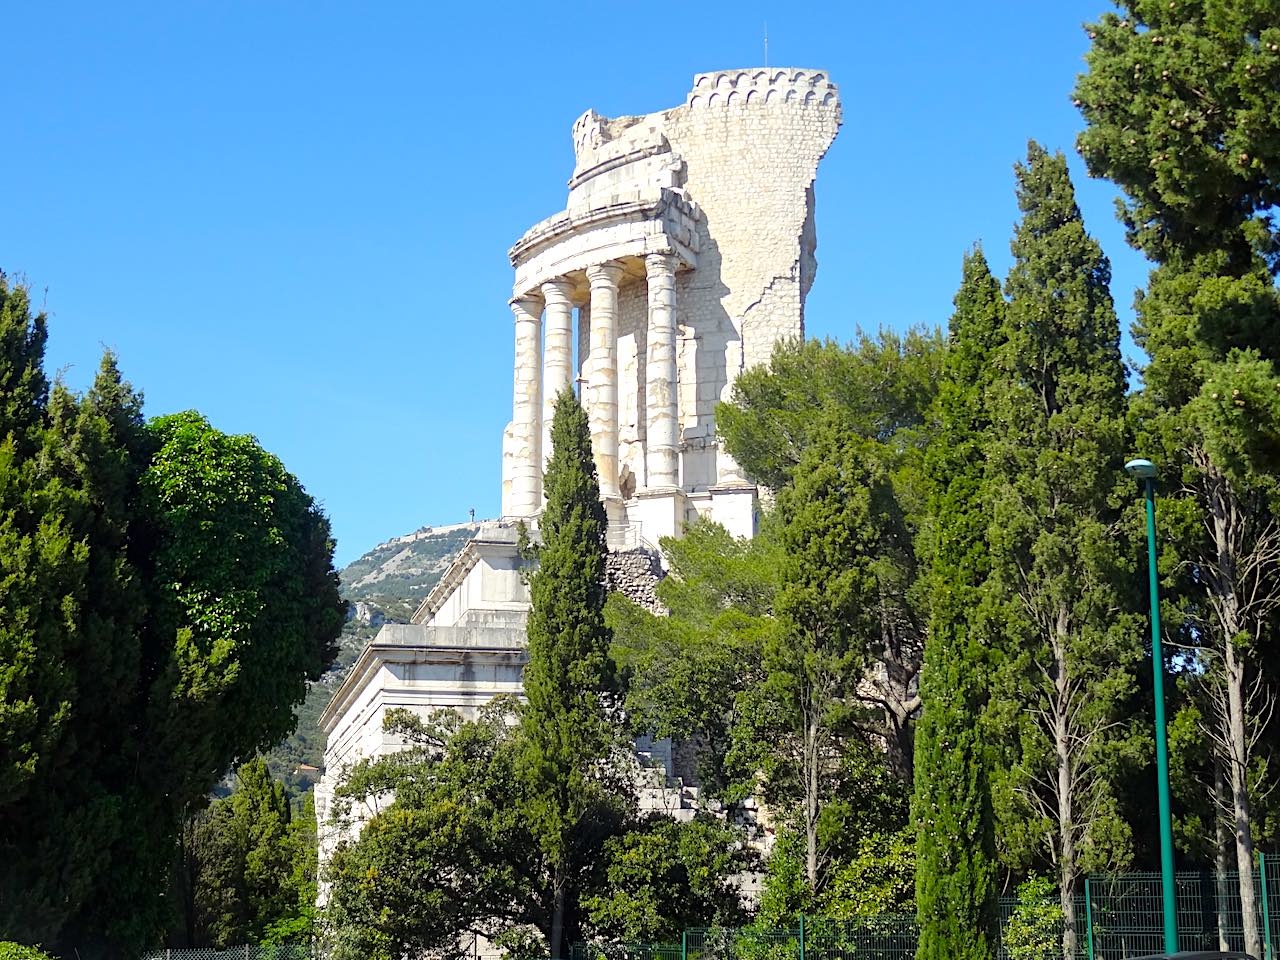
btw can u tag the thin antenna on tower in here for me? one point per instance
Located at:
(766, 44)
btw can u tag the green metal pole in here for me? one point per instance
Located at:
(802, 936)
(1168, 887)
(1269, 952)
(1088, 916)
(684, 945)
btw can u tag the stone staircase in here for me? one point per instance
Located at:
(661, 790)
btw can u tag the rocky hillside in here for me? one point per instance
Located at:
(385, 584)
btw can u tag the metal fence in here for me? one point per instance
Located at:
(1117, 917)
(293, 951)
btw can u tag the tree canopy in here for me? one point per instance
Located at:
(170, 591)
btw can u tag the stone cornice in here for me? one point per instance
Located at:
(623, 209)
(620, 160)
(422, 644)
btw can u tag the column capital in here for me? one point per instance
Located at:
(558, 292)
(660, 264)
(527, 307)
(604, 273)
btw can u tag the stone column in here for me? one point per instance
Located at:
(662, 445)
(602, 376)
(558, 356)
(526, 417)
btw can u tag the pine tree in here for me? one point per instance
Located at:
(1183, 109)
(1056, 456)
(955, 853)
(566, 733)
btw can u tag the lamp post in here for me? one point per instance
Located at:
(1145, 471)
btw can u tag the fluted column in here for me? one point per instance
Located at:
(662, 446)
(602, 375)
(526, 417)
(558, 355)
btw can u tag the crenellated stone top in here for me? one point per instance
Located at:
(763, 85)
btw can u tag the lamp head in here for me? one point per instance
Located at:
(1142, 469)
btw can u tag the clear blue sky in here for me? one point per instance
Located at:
(294, 217)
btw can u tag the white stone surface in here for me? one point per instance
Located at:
(720, 189)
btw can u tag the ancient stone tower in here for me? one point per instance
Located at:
(684, 253)
(686, 249)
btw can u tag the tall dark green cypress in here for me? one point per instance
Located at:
(1061, 580)
(955, 833)
(564, 727)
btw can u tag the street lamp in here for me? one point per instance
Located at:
(1145, 471)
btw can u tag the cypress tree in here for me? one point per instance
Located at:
(565, 732)
(41, 565)
(1056, 457)
(955, 833)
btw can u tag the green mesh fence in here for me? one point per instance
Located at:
(1117, 917)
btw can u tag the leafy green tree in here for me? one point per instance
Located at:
(251, 866)
(566, 735)
(831, 517)
(955, 879)
(1034, 930)
(453, 853)
(882, 385)
(1059, 579)
(666, 876)
(40, 564)
(879, 388)
(168, 591)
(865, 837)
(688, 675)
(1182, 104)
(16, 951)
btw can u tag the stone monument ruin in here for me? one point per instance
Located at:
(684, 253)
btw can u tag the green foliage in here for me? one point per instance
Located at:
(878, 878)
(1183, 107)
(688, 675)
(1034, 931)
(955, 833)
(16, 951)
(665, 877)
(1061, 582)
(881, 385)
(136, 565)
(879, 389)
(251, 866)
(566, 737)
(452, 853)
(1182, 102)
(516, 826)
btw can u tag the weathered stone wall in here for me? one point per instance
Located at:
(751, 141)
(635, 575)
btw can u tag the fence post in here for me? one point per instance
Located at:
(1088, 916)
(1267, 950)
(684, 945)
(802, 936)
